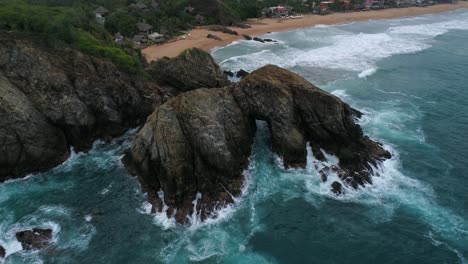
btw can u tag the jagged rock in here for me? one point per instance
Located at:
(337, 188)
(53, 97)
(247, 37)
(34, 239)
(242, 74)
(2, 252)
(200, 141)
(192, 69)
(212, 36)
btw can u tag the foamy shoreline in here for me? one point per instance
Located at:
(198, 37)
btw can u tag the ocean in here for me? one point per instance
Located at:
(409, 77)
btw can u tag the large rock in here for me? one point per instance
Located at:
(2, 252)
(192, 69)
(35, 238)
(200, 141)
(53, 97)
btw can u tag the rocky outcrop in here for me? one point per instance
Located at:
(200, 141)
(53, 97)
(35, 238)
(192, 69)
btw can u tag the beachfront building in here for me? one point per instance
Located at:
(100, 14)
(156, 38)
(277, 11)
(144, 29)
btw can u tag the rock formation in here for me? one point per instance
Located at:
(35, 238)
(200, 141)
(192, 69)
(53, 97)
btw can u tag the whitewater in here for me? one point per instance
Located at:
(407, 76)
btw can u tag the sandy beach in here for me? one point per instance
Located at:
(198, 37)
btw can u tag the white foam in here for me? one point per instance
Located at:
(88, 218)
(366, 73)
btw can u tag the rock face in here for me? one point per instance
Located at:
(200, 141)
(192, 69)
(34, 239)
(53, 97)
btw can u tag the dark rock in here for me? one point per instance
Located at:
(212, 36)
(241, 25)
(259, 39)
(2, 252)
(223, 29)
(269, 40)
(242, 74)
(192, 69)
(337, 188)
(53, 97)
(34, 239)
(200, 141)
(229, 73)
(247, 37)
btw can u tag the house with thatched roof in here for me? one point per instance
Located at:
(144, 28)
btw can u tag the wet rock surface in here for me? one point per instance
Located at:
(2, 252)
(200, 141)
(35, 238)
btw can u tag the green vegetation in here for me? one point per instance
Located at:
(74, 21)
(73, 25)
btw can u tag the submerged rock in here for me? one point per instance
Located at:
(192, 69)
(2, 252)
(53, 97)
(35, 238)
(200, 141)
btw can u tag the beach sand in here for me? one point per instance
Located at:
(198, 37)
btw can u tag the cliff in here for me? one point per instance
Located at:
(53, 97)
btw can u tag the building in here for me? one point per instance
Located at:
(100, 13)
(144, 29)
(139, 40)
(156, 37)
(278, 11)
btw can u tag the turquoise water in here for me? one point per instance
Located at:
(409, 76)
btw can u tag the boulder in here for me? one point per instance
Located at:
(247, 37)
(259, 39)
(242, 74)
(223, 29)
(35, 238)
(54, 97)
(212, 36)
(229, 73)
(2, 252)
(200, 141)
(192, 69)
(337, 188)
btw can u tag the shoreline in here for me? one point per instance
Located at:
(198, 35)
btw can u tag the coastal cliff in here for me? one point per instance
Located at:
(53, 97)
(200, 141)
